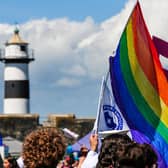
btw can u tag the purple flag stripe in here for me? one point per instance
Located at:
(161, 46)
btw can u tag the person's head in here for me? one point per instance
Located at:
(83, 151)
(133, 157)
(43, 148)
(69, 159)
(138, 156)
(150, 155)
(108, 149)
(10, 162)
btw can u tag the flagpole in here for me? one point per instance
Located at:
(99, 107)
(104, 80)
(106, 77)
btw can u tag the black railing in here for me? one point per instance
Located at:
(13, 58)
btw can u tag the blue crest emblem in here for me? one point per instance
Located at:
(112, 117)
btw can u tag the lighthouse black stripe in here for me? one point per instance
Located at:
(17, 89)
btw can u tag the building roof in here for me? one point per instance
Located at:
(16, 38)
(15, 146)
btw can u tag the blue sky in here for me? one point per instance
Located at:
(72, 40)
(22, 11)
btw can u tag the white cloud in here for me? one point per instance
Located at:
(67, 82)
(64, 47)
(164, 62)
(75, 70)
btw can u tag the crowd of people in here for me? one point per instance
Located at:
(119, 151)
(47, 148)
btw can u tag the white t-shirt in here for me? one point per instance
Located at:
(20, 162)
(91, 160)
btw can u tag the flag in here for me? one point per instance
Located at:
(162, 48)
(70, 133)
(109, 117)
(139, 84)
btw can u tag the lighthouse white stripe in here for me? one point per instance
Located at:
(16, 106)
(16, 72)
(14, 51)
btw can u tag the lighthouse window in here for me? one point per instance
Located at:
(23, 48)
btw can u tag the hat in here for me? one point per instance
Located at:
(69, 149)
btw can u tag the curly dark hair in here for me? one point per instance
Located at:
(150, 155)
(44, 148)
(138, 156)
(110, 144)
(134, 157)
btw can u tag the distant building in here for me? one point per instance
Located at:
(13, 145)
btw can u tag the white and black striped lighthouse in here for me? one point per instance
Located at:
(16, 75)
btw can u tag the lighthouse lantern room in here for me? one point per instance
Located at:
(16, 75)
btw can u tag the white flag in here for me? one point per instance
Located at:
(109, 116)
(70, 133)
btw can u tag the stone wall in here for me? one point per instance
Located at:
(18, 126)
(80, 126)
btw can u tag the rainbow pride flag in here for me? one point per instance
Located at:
(139, 84)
